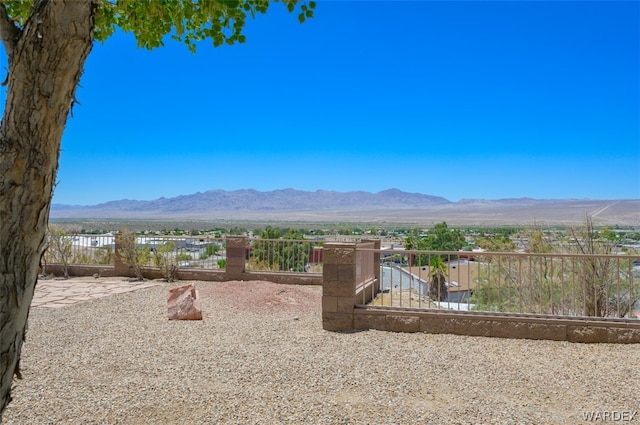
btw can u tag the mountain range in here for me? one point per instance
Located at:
(276, 200)
(391, 205)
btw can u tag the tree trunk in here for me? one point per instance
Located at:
(45, 64)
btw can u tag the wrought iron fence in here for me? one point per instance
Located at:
(284, 255)
(67, 249)
(540, 284)
(183, 251)
(201, 252)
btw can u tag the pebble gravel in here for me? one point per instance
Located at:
(118, 360)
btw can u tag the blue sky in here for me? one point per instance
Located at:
(455, 99)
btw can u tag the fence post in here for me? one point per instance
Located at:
(236, 247)
(338, 286)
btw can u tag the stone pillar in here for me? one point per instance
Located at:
(338, 286)
(236, 257)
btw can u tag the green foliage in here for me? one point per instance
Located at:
(410, 242)
(275, 252)
(610, 235)
(539, 242)
(294, 234)
(81, 258)
(186, 21)
(237, 231)
(438, 279)
(593, 283)
(517, 284)
(633, 235)
(183, 256)
(497, 243)
(211, 249)
(271, 233)
(222, 263)
(19, 10)
(441, 238)
(104, 255)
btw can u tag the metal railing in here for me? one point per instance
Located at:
(187, 252)
(284, 255)
(80, 249)
(540, 284)
(199, 252)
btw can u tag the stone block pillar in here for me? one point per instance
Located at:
(338, 286)
(236, 257)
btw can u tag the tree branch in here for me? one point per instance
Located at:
(9, 32)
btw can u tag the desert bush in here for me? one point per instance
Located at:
(165, 258)
(133, 254)
(104, 255)
(59, 247)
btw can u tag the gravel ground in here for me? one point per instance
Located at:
(260, 356)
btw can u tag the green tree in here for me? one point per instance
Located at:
(271, 233)
(438, 238)
(47, 44)
(409, 242)
(442, 238)
(609, 234)
(438, 279)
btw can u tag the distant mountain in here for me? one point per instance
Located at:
(253, 200)
(388, 206)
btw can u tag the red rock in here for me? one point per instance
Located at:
(183, 303)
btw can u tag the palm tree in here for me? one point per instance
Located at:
(438, 275)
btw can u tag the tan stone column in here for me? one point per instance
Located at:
(236, 257)
(338, 286)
